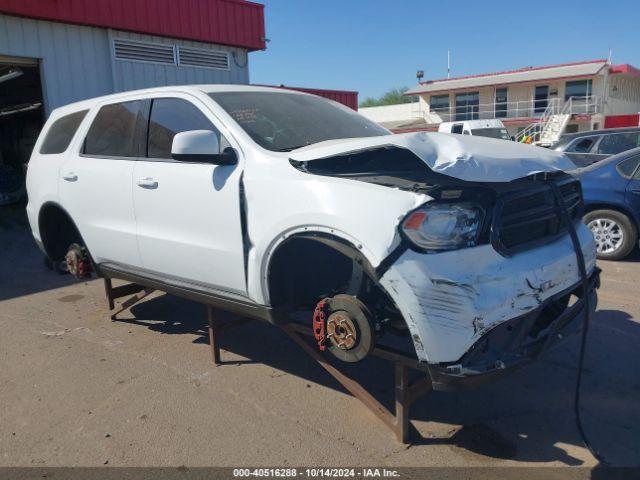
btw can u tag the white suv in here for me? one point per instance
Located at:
(269, 202)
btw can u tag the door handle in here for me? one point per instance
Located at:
(70, 177)
(148, 182)
(635, 190)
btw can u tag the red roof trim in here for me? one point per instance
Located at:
(237, 23)
(624, 68)
(506, 72)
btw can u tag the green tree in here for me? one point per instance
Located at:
(392, 97)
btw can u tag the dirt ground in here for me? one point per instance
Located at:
(79, 390)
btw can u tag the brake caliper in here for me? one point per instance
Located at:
(320, 324)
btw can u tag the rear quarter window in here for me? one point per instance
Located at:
(626, 167)
(61, 133)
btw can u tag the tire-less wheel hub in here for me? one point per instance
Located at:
(341, 331)
(607, 233)
(344, 324)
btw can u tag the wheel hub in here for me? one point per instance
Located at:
(341, 330)
(607, 233)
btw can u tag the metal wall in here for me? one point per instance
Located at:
(77, 62)
(129, 75)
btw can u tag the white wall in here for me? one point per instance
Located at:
(392, 113)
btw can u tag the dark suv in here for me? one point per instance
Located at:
(585, 148)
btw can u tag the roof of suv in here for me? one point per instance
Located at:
(210, 88)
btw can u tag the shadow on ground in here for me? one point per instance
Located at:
(526, 416)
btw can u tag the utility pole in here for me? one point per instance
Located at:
(448, 63)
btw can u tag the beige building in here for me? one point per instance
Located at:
(542, 102)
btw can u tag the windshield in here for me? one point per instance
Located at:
(492, 133)
(281, 121)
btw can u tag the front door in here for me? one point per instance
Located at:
(188, 214)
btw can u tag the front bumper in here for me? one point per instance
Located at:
(519, 341)
(450, 300)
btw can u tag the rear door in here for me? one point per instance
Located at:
(630, 168)
(188, 214)
(96, 181)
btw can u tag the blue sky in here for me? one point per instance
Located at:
(374, 45)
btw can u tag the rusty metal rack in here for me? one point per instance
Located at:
(406, 391)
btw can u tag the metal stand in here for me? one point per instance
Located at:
(138, 291)
(406, 391)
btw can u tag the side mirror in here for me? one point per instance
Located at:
(201, 146)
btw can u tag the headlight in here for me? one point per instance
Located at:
(443, 226)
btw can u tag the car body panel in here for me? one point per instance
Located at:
(467, 158)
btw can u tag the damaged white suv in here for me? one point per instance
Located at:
(269, 202)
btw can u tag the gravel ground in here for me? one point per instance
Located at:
(79, 390)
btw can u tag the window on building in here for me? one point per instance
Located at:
(541, 98)
(616, 143)
(501, 102)
(61, 132)
(628, 166)
(439, 103)
(467, 106)
(168, 117)
(117, 131)
(583, 145)
(577, 89)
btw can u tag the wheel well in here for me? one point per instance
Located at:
(302, 270)
(607, 206)
(306, 268)
(57, 231)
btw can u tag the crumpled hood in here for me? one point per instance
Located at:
(474, 159)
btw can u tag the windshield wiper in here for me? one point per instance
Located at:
(288, 149)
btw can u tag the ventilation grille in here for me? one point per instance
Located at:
(143, 52)
(194, 57)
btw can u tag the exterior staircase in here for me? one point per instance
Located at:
(553, 121)
(553, 128)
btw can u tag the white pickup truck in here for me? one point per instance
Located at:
(268, 202)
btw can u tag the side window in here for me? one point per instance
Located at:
(582, 146)
(116, 131)
(170, 116)
(456, 128)
(618, 142)
(61, 132)
(628, 166)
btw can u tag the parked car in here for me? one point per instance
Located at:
(585, 148)
(268, 202)
(611, 190)
(11, 185)
(492, 128)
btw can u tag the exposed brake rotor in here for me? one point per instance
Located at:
(345, 325)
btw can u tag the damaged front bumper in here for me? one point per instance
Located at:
(519, 341)
(453, 301)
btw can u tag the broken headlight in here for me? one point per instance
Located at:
(443, 226)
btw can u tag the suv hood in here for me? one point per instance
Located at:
(474, 159)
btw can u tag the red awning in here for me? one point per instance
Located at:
(236, 23)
